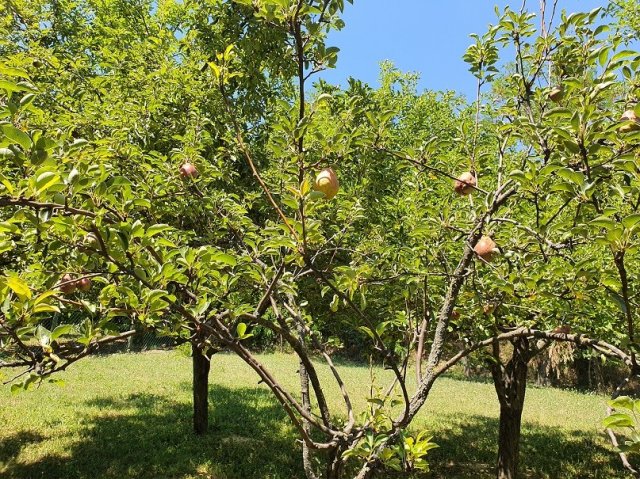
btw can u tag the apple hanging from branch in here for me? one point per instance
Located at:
(631, 122)
(67, 284)
(556, 94)
(486, 248)
(327, 183)
(188, 170)
(465, 183)
(84, 284)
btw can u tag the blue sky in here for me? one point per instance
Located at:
(424, 36)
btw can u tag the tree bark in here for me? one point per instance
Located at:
(509, 443)
(201, 367)
(420, 350)
(510, 381)
(307, 462)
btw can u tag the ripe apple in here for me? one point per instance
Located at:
(465, 183)
(563, 329)
(67, 284)
(556, 94)
(486, 248)
(188, 170)
(629, 116)
(327, 183)
(84, 284)
(455, 314)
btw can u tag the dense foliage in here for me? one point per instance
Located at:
(159, 165)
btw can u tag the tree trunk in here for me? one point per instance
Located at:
(466, 364)
(306, 403)
(582, 367)
(509, 443)
(201, 367)
(307, 462)
(510, 381)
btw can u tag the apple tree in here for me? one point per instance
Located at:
(566, 108)
(190, 182)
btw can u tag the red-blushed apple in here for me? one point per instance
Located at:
(84, 284)
(67, 284)
(188, 170)
(631, 122)
(465, 183)
(327, 183)
(486, 248)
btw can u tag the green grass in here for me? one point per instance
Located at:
(128, 416)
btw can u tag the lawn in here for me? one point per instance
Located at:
(128, 416)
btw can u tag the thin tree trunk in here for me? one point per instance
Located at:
(420, 350)
(201, 367)
(334, 463)
(582, 367)
(466, 364)
(424, 327)
(510, 381)
(306, 403)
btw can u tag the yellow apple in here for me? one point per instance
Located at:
(327, 183)
(629, 116)
(556, 94)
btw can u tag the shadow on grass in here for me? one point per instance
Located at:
(149, 436)
(468, 449)
(11, 445)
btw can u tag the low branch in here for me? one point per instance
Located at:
(38, 205)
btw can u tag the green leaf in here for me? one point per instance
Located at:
(367, 331)
(19, 287)
(631, 220)
(27, 100)
(624, 402)
(335, 302)
(17, 136)
(575, 177)
(603, 222)
(241, 329)
(630, 447)
(224, 258)
(61, 330)
(46, 180)
(46, 308)
(156, 229)
(6, 227)
(44, 296)
(10, 86)
(618, 420)
(13, 72)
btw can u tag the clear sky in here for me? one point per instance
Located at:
(424, 36)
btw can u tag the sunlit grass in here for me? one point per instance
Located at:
(128, 416)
